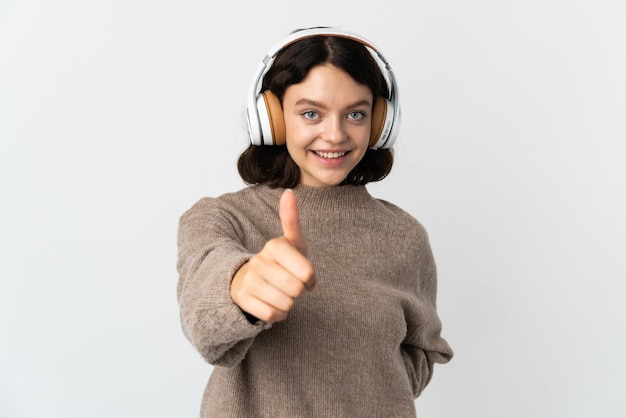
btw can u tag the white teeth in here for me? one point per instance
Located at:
(330, 154)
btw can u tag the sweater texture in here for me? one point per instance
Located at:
(363, 343)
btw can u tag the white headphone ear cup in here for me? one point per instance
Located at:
(379, 115)
(382, 123)
(270, 123)
(395, 127)
(275, 118)
(265, 134)
(254, 125)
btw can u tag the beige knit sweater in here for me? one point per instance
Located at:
(362, 344)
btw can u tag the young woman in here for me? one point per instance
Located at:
(309, 296)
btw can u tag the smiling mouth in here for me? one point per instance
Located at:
(330, 155)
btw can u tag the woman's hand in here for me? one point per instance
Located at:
(267, 286)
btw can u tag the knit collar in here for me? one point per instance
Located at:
(336, 198)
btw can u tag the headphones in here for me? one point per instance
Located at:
(266, 125)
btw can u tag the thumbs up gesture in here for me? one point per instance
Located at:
(267, 286)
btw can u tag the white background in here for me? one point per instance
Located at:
(116, 116)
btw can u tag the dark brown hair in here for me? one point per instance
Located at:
(272, 165)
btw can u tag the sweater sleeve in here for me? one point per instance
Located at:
(423, 345)
(209, 254)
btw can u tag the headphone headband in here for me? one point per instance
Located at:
(260, 127)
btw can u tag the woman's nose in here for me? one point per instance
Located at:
(334, 130)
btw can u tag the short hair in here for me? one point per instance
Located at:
(272, 165)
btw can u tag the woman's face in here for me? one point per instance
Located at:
(327, 121)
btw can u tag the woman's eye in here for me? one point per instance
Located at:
(310, 114)
(356, 115)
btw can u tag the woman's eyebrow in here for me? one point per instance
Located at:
(310, 102)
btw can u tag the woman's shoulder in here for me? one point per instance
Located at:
(395, 209)
(247, 199)
(229, 198)
(400, 215)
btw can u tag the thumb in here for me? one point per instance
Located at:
(290, 220)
